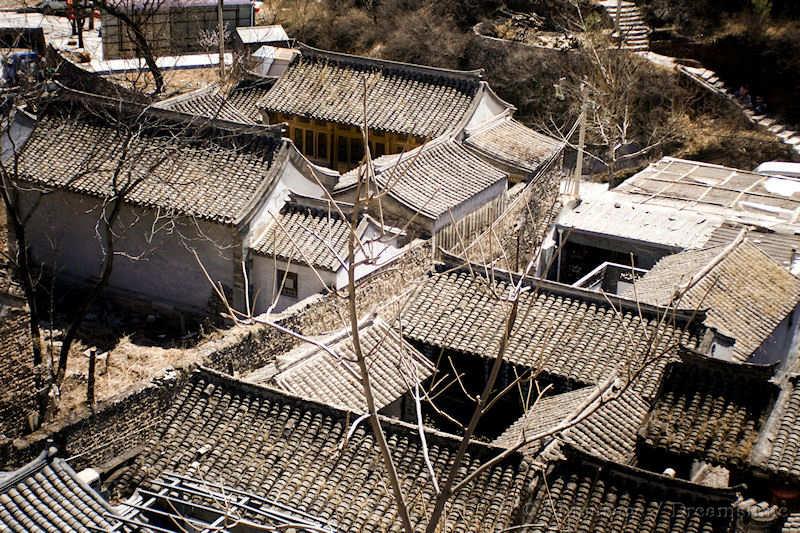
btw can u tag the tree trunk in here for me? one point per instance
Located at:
(97, 288)
(140, 40)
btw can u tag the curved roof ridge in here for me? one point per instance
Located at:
(469, 75)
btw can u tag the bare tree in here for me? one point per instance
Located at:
(136, 16)
(633, 108)
(122, 164)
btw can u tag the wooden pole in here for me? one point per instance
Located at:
(576, 186)
(221, 36)
(90, 381)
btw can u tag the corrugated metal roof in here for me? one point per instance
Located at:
(615, 215)
(716, 189)
(262, 34)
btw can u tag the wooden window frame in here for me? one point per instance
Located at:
(282, 279)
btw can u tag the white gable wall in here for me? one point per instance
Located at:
(488, 107)
(158, 268)
(264, 288)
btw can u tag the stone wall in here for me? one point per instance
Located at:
(111, 430)
(17, 376)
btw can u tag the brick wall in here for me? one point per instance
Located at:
(18, 389)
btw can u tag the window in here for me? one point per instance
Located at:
(380, 149)
(310, 143)
(356, 150)
(322, 145)
(287, 281)
(341, 150)
(298, 139)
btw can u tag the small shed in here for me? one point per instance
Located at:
(254, 37)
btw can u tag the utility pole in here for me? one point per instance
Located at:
(574, 191)
(221, 37)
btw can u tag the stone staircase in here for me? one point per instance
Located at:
(635, 33)
(709, 79)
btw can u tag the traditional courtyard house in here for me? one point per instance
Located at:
(431, 187)
(585, 493)
(312, 461)
(322, 98)
(303, 250)
(749, 297)
(196, 196)
(48, 495)
(670, 206)
(209, 102)
(172, 27)
(396, 369)
(513, 147)
(708, 413)
(568, 337)
(18, 397)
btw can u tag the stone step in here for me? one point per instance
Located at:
(767, 122)
(793, 141)
(777, 129)
(785, 135)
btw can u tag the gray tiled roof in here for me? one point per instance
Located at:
(610, 431)
(394, 368)
(207, 102)
(245, 97)
(582, 493)
(710, 410)
(779, 245)
(784, 457)
(513, 143)
(46, 495)
(313, 458)
(208, 178)
(747, 294)
(436, 178)
(406, 99)
(574, 334)
(305, 235)
(792, 524)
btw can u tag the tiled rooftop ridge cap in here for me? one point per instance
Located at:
(229, 383)
(672, 487)
(454, 264)
(697, 359)
(309, 52)
(133, 110)
(11, 478)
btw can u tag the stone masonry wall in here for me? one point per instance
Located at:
(94, 437)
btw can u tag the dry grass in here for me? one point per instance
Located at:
(729, 142)
(175, 81)
(125, 366)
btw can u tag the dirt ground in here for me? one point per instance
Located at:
(176, 81)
